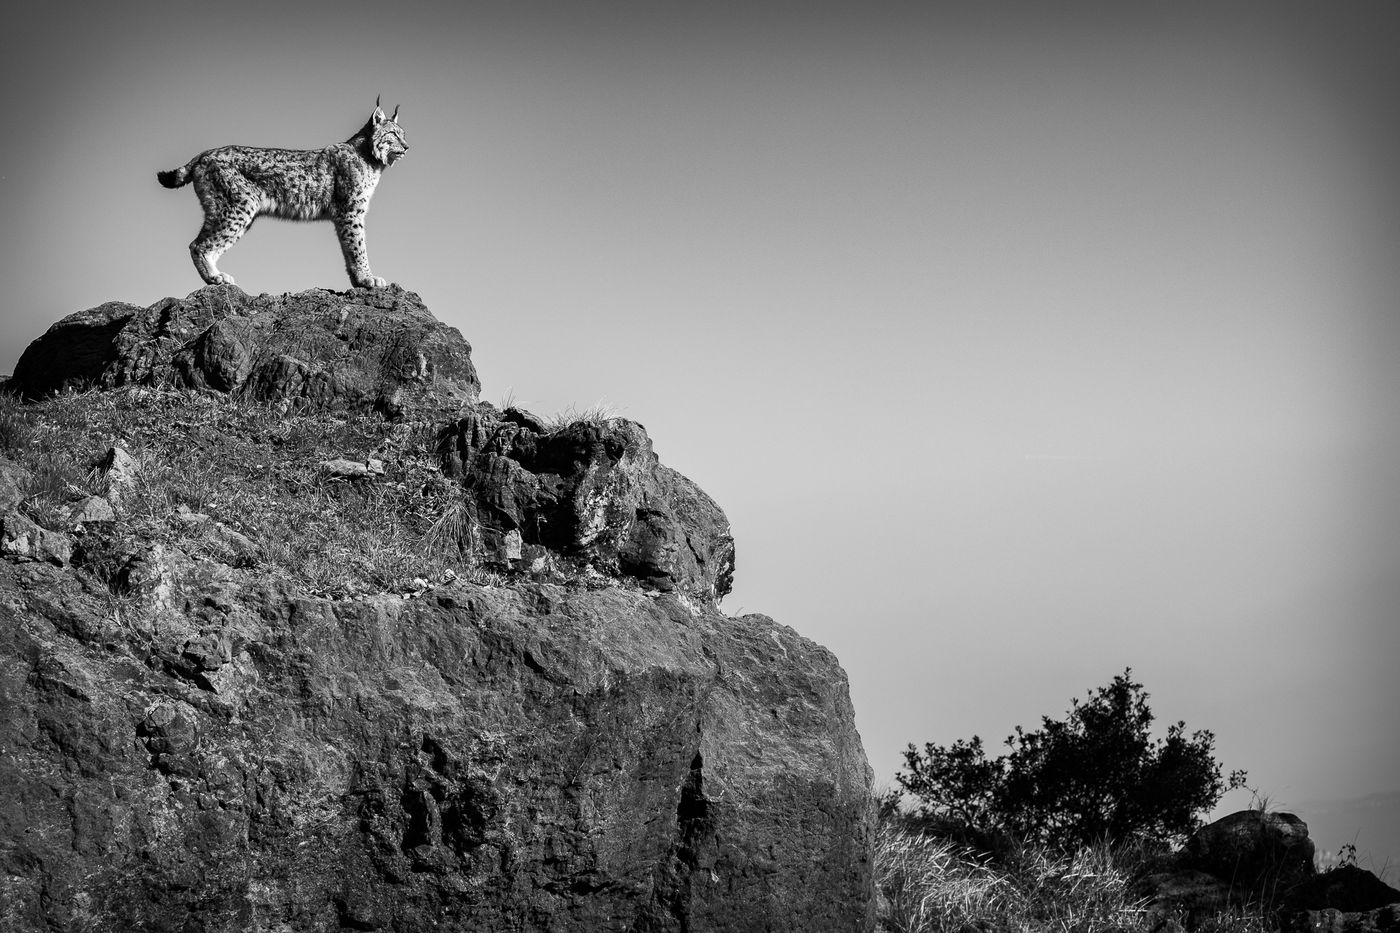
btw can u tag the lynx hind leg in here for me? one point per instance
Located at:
(350, 228)
(230, 205)
(205, 252)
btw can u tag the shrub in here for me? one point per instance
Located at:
(1096, 775)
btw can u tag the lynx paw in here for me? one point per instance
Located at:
(370, 281)
(219, 278)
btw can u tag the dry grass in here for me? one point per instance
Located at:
(933, 885)
(253, 470)
(593, 414)
(928, 884)
(57, 478)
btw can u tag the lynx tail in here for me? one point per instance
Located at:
(175, 177)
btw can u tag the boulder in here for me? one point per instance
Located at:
(360, 349)
(351, 469)
(1347, 888)
(93, 509)
(79, 351)
(1264, 852)
(588, 496)
(121, 470)
(22, 539)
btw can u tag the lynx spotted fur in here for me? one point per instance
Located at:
(237, 184)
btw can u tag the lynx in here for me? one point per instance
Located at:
(237, 184)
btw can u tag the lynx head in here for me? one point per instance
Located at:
(386, 140)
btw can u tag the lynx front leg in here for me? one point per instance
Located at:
(350, 227)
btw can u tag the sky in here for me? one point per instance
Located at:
(1021, 342)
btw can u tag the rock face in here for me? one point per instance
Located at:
(508, 759)
(566, 734)
(361, 348)
(591, 496)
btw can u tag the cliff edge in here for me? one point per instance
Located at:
(297, 634)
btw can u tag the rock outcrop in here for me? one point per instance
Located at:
(1347, 888)
(1347, 899)
(377, 348)
(1253, 849)
(1262, 861)
(538, 721)
(591, 496)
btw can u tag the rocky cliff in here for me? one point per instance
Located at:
(298, 635)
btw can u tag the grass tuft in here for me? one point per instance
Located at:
(593, 414)
(15, 427)
(929, 884)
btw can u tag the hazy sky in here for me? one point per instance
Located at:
(1021, 342)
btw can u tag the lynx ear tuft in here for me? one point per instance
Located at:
(395, 115)
(378, 115)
